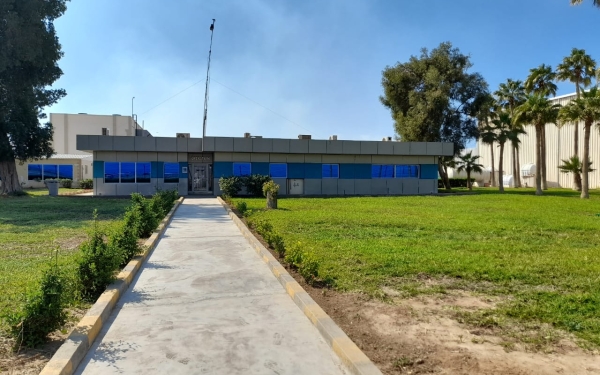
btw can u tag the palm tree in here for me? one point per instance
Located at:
(586, 109)
(502, 130)
(489, 137)
(573, 165)
(538, 111)
(577, 2)
(510, 95)
(487, 134)
(541, 82)
(468, 163)
(578, 68)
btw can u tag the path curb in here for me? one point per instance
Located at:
(74, 349)
(350, 354)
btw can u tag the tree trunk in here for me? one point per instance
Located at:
(544, 159)
(444, 176)
(500, 169)
(585, 186)
(469, 183)
(538, 161)
(493, 168)
(10, 179)
(576, 175)
(514, 164)
(271, 201)
(518, 183)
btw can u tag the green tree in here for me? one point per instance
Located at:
(577, 2)
(510, 95)
(578, 68)
(541, 82)
(585, 109)
(29, 52)
(486, 114)
(434, 98)
(538, 111)
(502, 129)
(468, 163)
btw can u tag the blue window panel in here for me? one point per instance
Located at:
(127, 173)
(50, 171)
(242, 169)
(65, 171)
(429, 172)
(111, 173)
(34, 172)
(382, 171)
(98, 169)
(331, 171)
(348, 171)
(260, 168)
(311, 171)
(171, 173)
(407, 171)
(223, 169)
(182, 165)
(362, 171)
(278, 170)
(143, 172)
(298, 170)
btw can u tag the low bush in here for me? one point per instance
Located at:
(278, 245)
(230, 186)
(254, 184)
(149, 218)
(66, 183)
(242, 207)
(42, 312)
(124, 238)
(294, 255)
(163, 201)
(87, 183)
(309, 268)
(455, 182)
(270, 187)
(97, 264)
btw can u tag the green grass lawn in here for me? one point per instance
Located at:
(34, 227)
(542, 253)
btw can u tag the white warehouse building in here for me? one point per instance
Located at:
(559, 146)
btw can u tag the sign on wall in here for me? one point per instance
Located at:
(200, 158)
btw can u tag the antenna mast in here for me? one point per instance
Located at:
(212, 30)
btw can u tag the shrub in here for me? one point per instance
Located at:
(294, 255)
(309, 268)
(254, 184)
(278, 245)
(97, 264)
(242, 207)
(163, 201)
(230, 186)
(455, 182)
(124, 239)
(148, 217)
(270, 187)
(66, 183)
(42, 312)
(86, 183)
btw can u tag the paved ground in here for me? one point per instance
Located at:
(205, 303)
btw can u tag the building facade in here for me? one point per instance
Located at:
(559, 146)
(125, 164)
(68, 162)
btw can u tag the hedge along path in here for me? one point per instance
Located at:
(350, 354)
(74, 349)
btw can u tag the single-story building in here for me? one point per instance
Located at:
(126, 164)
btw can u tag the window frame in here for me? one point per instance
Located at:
(118, 172)
(286, 170)
(332, 177)
(41, 178)
(149, 173)
(242, 163)
(60, 176)
(408, 165)
(393, 167)
(165, 173)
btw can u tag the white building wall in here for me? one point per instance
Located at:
(559, 146)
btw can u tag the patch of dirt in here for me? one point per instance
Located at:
(32, 361)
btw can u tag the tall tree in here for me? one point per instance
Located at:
(538, 111)
(577, 2)
(434, 97)
(468, 163)
(502, 129)
(510, 95)
(541, 82)
(578, 68)
(486, 114)
(587, 110)
(29, 53)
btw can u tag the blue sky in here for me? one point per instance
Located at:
(314, 64)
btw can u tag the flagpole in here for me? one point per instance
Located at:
(212, 30)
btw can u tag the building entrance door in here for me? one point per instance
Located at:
(200, 174)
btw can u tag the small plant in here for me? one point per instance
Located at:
(309, 267)
(270, 190)
(86, 184)
(97, 264)
(294, 255)
(124, 239)
(278, 245)
(230, 186)
(148, 217)
(163, 200)
(242, 207)
(66, 183)
(254, 184)
(42, 312)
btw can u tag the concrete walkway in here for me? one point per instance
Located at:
(205, 303)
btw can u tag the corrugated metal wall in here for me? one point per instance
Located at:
(559, 146)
